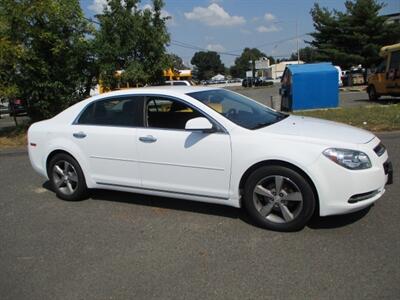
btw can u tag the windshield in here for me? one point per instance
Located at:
(238, 109)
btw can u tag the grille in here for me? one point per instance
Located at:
(380, 149)
(386, 167)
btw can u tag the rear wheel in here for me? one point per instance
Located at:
(279, 198)
(67, 178)
(372, 95)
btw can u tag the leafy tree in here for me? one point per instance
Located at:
(354, 36)
(176, 62)
(307, 54)
(242, 63)
(132, 40)
(45, 46)
(10, 53)
(207, 64)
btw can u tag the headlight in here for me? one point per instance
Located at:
(350, 159)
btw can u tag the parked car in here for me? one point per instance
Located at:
(248, 82)
(17, 107)
(355, 76)
(4, 107)
(179, 82)
(211, 145)
(340, 82)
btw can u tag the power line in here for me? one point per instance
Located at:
(229, 53)
(272, 43)
(91, 20)
(193, 47)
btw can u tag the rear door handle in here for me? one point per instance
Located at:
(147, 139)
(79, 135)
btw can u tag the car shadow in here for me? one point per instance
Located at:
(337, 221)
(166, 203)
(211, 209)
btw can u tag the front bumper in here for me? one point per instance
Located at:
(388, 168)
(342, 191)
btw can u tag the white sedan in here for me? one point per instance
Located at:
(211, 145)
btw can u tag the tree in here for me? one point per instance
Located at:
(50, 53)
(307, 54)
(132, 40)
(354, 36)
(176, 62)
(246, 61)
(207, 64)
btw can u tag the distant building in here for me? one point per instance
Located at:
(276, 71)
(392, 18)
(261, 66)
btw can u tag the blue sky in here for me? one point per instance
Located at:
(231, 25)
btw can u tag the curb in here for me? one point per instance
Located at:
(353, 89)
(13, 151)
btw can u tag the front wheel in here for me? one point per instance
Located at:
(279, 198)
(372, 95)
(67, 178)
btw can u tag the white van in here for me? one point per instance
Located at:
(339, 75)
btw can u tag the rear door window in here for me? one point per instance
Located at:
(125, 111)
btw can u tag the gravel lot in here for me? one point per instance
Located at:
(128, 246)
(346, 98)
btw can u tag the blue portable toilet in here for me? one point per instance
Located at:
(310, 86)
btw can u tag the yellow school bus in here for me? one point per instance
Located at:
(120, 86)
(169, 74)
(385, 81)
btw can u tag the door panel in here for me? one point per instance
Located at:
(106, 131)
(187, 162)
(393, 82)
(111, 153)
(176, 160)
(380, 83)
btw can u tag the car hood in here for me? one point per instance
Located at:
(319, 129)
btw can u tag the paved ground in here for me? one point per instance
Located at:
(128, 246)
(346, 98)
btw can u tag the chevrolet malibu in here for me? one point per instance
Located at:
(211, 145)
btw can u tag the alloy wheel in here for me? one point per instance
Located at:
(278, 199)
(65, 177)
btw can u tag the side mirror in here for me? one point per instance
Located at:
(200, 124)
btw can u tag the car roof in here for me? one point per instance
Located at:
(175, 90)
(177, 81)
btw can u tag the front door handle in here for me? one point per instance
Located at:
(147, 139)
(79, 135)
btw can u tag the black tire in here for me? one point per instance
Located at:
(302, 210)
(372, 95)
(77, 183)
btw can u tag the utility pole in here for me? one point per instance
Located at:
(297, 36)
(297, 40)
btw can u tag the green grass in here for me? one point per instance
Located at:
(372, 117)
(13, 137)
